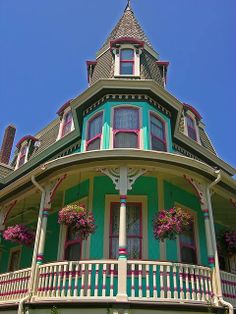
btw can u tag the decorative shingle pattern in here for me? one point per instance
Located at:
(5, 170)
(205, 141)
(149, 68)
(128, 26)
(104, 67)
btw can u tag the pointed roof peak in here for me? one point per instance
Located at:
(128, 6)
(128, 27)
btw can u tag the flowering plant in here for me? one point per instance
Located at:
(227, 242)
(168, 223)
(79, 218)
(19, 234)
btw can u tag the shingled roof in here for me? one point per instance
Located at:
(129, 27)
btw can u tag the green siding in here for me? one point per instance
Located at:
(77, 192)
(145, 108)
(172, 195)
(52, 238)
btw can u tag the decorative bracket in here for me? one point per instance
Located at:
(199, 189)
(5, 212)
(55, 186)
(123, 177)
(233, 202)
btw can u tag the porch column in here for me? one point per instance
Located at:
(41, 246)
(123, 178)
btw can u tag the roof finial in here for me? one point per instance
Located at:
(128, 7)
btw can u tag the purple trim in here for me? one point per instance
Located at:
(63, 107)
(129, 40)
(26, 137)
(193, 110)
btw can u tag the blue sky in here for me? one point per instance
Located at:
(44, 46)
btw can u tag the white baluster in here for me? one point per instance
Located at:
(96, 279)
(58, 291)
(162, 282)
(89, 279)
(82, 289)
(168, 282)
(193, 296)
(104, 272)
(175, 282)
(147, 269)
(198, 284)
(77, 269)
(132, 280)
(181, 287)
(187, 283)
(155, 281)
(70, 279)
(112, 280)
(140, 292)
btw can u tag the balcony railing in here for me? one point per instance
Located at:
(229, 287)
(14, 285)
(147, 281)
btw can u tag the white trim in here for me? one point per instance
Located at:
(192, 116)
(59, 136)
(102, 111)
(26, 143)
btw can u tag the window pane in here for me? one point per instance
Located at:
(115, 219)
(133, 248)
(157, 128)
(72, 234)
(126, 68)
(95, 127)
(93, 145)
(127, 54)
(188, 255)
(158, 144)
(190, 122)
(133, 220)
(114, 248)
(192, 133)
(68, 117)
(126, 140)
(73, 252)
(126, 119)
(14, 261)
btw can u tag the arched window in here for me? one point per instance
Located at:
(67, 123)
(126, 128)
(73, 245)
(94, 132)
(158, 137)
(191, 128)
(126, 61)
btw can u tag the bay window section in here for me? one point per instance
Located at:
(126, 128)
(126, 61)
(94, 132)
(133, 227)
(158, 137)
(191, 128)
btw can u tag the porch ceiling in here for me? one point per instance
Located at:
(224, 211)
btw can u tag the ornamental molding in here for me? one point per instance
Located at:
(53, 189)
(4, 212)
(127, 97)
(185, 152)
(123, 178)
(199, 189)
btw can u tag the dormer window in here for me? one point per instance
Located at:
(191, 128)
(126, 61)
(127, 53)
(158, 136)
(67, 123)
(22, 155)
(94, 132)
(126, 128)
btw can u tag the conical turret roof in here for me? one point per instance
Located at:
(128, 27)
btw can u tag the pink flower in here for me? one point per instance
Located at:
(19, 234)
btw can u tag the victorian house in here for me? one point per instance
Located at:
(124, 149)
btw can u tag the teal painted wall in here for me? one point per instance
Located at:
(173, 194)
(76, 192)
(146, 186)
(107, 117)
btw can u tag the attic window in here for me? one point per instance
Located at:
(127, 61)
(22, 155)
(67, 123)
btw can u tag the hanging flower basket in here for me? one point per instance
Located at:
(167, 224)
(19, 234)
(79, 218)
(227, 242)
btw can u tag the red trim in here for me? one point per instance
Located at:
(164, 129)
(26, 137)
(63, 107)
(135, 131)
(163, 63)
(99, 135)
(193, 110)
(11, 206)
(129, 40)
(53, 191)
(91, 63)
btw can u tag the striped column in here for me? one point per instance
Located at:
(40, 254)
(210, 252)
(122, 228)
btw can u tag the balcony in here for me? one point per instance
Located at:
(147, 281)
(228, 281)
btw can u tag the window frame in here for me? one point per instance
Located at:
(132, 61)
(163, 122)
(12, 251)
(66, 123)
(188, 117)
(22, 155)
(99, 135)
(140, 236)
(135, 131)
(68, 243)
(195, 234)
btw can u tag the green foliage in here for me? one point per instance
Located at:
(54, 310)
